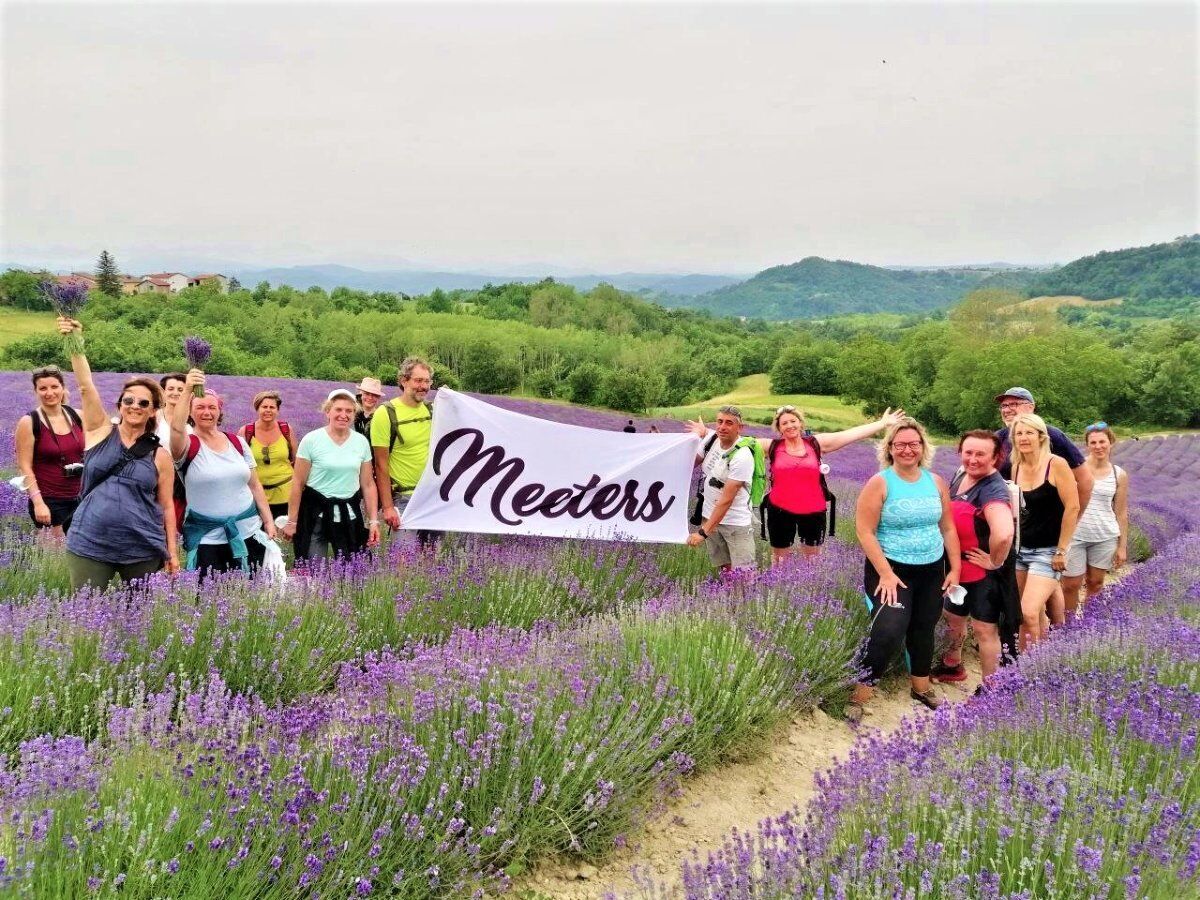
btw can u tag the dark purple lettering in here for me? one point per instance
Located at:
(602, 498)
(493, 463)
(525, 500)
(557, 497)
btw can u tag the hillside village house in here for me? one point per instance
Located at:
(156, 283)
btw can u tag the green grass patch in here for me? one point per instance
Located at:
(758, 404)
(21, 323)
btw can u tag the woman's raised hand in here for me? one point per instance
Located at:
(192, 378)
(66, 326)
(889, 418)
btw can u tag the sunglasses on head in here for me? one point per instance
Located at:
(1099, 426)
(140, 403)
(785, 409)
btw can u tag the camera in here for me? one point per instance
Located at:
(716, 483)
(72, 470)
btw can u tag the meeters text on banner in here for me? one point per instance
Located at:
(499, 472)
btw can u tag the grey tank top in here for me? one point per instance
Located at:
(120, 522)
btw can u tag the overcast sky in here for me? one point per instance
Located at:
(669, 137)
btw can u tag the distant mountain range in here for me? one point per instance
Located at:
(410, 281)
(1140, 273)
(819, 288)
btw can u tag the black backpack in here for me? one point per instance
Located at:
(68, 411)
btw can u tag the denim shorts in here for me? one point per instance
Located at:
(1036, 560)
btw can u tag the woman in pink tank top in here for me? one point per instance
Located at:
(795, 506)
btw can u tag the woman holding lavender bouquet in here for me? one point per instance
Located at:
(125, 522)
(228, 523)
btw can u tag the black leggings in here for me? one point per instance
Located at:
(911, 623)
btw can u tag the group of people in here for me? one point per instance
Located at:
(126, 490)
(1006, 545)
(1025, 523)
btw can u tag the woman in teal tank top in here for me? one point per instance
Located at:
(907, 532)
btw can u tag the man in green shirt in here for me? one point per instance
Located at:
(400, 431)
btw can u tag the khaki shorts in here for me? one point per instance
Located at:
(732, 545)
(1094, 554)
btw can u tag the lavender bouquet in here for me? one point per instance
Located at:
(197, 350)
(68, 300)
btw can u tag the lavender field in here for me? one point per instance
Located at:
(405, 728)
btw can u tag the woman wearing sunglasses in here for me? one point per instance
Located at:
(1101, 538)
(125, 522)
(49, 443)
(274, 448)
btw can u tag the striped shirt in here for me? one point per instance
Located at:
(1099, 520)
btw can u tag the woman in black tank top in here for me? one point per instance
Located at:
(1050, 510)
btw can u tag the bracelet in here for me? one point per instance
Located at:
(373, 522)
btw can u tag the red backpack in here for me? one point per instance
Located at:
(285, 429)
(193, 451)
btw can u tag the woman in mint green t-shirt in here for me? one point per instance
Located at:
(333, 481)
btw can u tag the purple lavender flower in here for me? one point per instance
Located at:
(68, 299)
(197, 352)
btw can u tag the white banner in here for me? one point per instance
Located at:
(499, 472)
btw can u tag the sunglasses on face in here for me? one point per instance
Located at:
(138, 402)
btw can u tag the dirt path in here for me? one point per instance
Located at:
(736, 795)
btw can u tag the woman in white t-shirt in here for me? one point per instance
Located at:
(1101, 538)
(332, 482)
(228, 522)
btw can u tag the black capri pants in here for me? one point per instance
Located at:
(912, 623)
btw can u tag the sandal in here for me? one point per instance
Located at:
(928, 699)
(854, 712)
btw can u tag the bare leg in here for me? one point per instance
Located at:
(1037, 591)
(988, 636)
(780, 554)
(1055, 606)
(810, 552)
(957, 626)
(1095, 580)
(1070, 589)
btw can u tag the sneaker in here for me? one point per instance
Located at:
(928, 699)
(943, 672)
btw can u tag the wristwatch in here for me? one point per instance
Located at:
(700, 531)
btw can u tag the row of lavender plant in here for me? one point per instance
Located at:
(430, 766)
(1076, 776)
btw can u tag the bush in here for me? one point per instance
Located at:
(805, 369)
(632, 390)
(488, 369)
(583, 384)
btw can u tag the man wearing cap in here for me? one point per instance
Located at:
(727, 470)
(368, 394)
(400, 433)
(1018, 400)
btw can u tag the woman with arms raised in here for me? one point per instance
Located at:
(125, 522)
(1051, 510)
(906, 530)
(49, 442)
(273, 445)
(228, 523)
(334, 477)
(795, 506)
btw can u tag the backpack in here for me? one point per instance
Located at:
(758, 481)
(285, 429)
(395, 422)
(68, 411)
(814, 447)
(193, 451)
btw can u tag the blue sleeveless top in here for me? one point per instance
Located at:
(909, 529)
(120, 522)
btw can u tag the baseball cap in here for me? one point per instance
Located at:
(340, 392)
(1017, 393)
